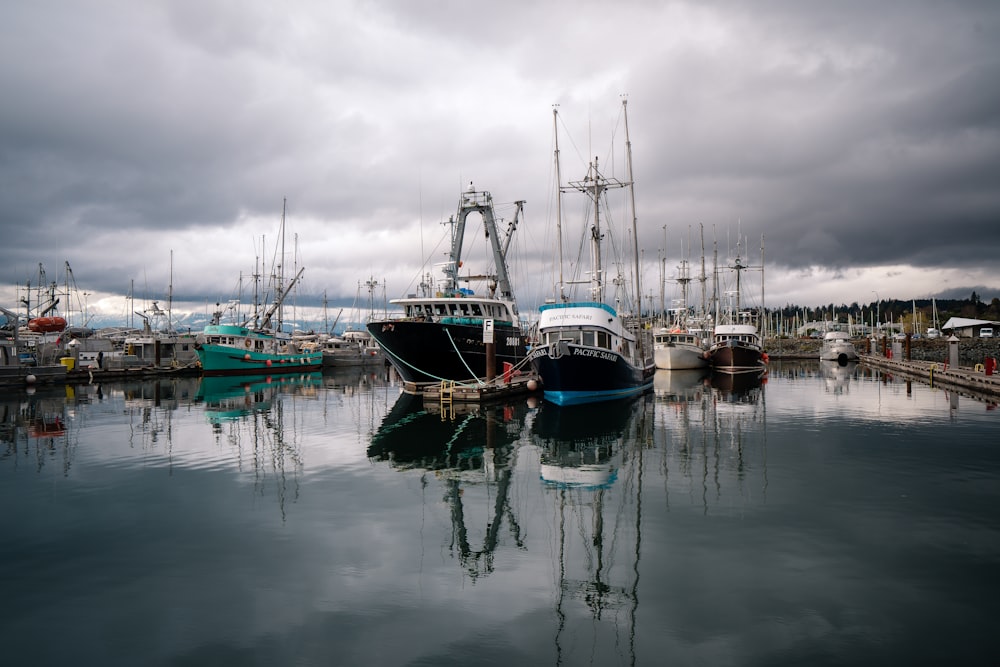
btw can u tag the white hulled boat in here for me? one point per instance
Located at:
(837, 346)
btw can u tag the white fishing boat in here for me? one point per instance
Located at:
(675, 349)
(837, 346)
(678, 347)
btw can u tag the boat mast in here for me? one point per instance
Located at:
(635, 231)
(170, 294)
(663, 279)
(763, 321)
(594, 185)
(704, 296)
(281, 269)
(555, 131)
(715, 277)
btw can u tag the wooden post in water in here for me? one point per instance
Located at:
(491, 361)
(491, 351)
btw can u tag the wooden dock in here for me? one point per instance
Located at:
(473, 392)
(973, 381)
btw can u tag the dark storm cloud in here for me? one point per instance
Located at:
(849, 134)
(853, 136)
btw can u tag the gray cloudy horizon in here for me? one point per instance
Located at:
(861, 140)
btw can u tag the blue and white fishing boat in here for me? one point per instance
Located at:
(588, 351)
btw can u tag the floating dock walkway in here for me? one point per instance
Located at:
(475, 392)
(974, 381)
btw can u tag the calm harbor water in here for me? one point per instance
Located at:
(829, 515)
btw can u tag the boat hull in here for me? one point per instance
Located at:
(735, 356)
(235, 350)
(351, 358)
(679, 356)
(574, 374)
(840, 351)
(424, 352)
(228, 360)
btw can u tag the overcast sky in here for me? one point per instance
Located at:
(861, 139)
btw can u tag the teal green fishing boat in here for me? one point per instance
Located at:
(257, 345)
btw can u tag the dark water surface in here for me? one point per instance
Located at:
(825, 516)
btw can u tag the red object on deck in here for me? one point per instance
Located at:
(508, 369)
(47, 324)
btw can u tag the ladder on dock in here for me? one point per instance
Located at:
(446, 396)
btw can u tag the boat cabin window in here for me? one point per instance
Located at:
(439, 309)
(601, 339)
(477, 310)
(556, 336)
(464, 307)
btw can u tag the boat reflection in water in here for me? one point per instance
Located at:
(350, 380)
(591, 462)
(837, 376)
(739, 388)
(681, 386)
(226, 398)
(711, 436)
(253, 424)
(34, 426)
(471, 450)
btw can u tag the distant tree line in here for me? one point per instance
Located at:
(896, 310)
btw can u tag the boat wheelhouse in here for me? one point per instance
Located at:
(440, 335)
